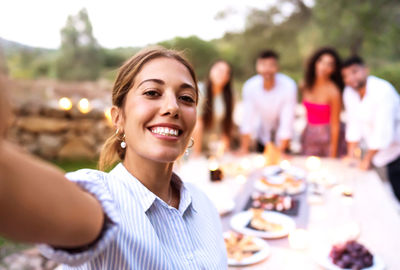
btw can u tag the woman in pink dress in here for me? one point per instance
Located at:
(323, 135)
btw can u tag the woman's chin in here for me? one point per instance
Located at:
(167, 156)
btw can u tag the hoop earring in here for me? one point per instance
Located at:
(189, 146)
(191, 143)
(123, 143)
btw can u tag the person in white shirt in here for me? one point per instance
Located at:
(373, 116)
(269, 100)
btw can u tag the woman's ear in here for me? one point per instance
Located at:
(117, 117)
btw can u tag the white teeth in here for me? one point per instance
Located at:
(165, 131)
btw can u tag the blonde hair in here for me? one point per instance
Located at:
(111, 151)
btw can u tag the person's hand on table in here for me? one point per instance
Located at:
(365, 165)
(350, 161)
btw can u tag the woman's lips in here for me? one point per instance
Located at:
(167, 133)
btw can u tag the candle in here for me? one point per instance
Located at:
(107, 115)
(285, 164)
(245, 164)
(213, 165)
(313, 163)
(259, 161)
(84, 106)
(215, 173)
(241, 179)
(298, 239)
(65, 104)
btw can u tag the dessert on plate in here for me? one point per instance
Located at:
(239, 246)
(258, 222)
(351, 255)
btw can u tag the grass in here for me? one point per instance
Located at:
(73, 165)
(8, 247)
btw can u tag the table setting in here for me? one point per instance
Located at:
(299, 213)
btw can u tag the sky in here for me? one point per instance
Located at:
(123, 23)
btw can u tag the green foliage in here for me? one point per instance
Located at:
(390, 72)
(114, 58)
(3, 62)
(80, 57)
(357, 25)
(31, 63)
(370, 28)
(73, 165)
(200, 53)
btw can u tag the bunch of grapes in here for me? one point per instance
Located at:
(351, 255)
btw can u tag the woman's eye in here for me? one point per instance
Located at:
(188, 99)
(151, 93)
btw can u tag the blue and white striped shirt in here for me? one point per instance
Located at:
(143, 232)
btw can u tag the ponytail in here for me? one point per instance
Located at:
(111, 153)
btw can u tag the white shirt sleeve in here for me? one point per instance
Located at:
(93, 182)
(287, 114)
(250, 116)
(383, 131)
(353, 129)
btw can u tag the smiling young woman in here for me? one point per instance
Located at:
(152, 220)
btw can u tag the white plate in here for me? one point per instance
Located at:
(277, 170)
(240, 221)
(325, 261)
(256, 257)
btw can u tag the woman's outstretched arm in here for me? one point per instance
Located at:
(38, 204)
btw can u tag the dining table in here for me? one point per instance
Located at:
(340, 202)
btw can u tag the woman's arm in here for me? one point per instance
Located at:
(336, 106)
(198, 137)
(38, 204)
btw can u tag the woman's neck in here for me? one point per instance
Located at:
(155, 176)
(321, 81)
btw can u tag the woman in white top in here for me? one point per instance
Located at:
(215, 122)
(138, 216)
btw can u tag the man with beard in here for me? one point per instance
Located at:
(269, 100)
(373, 117)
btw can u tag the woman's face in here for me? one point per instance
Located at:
(159, 111)
(325, 66)
(220, 74)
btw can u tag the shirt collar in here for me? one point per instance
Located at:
(147, 198)
(186, 196)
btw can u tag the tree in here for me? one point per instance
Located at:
(200, 53)
(355, 25)
(80, 56)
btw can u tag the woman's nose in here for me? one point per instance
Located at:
(170, 105)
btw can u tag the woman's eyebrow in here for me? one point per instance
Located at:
(161, 82)
(152, 80)
(187, 85)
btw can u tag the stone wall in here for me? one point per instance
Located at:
(52, 133)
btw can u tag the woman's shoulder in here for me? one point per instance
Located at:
(333, 91)
(90, 175)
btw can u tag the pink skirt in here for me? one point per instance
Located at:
(315, 141)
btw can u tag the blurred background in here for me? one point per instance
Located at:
(60, 57)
